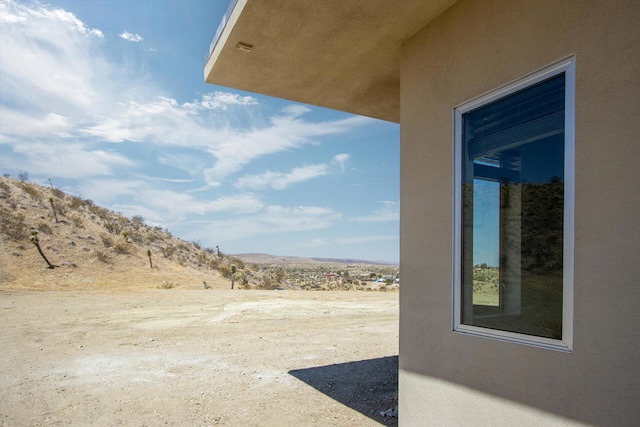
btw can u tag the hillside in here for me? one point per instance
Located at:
(94, 248)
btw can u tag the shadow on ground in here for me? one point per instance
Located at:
(368, 386)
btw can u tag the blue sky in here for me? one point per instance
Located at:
(107, 98)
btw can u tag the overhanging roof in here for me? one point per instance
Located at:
(339, 54)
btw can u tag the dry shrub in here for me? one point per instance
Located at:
(167, 251)
(74, 203)
(58, 193)
(5, 190)
(112, 226)
(167, 285)
(12, 225)
(31, 191)
(102, 256)
(43, 227)
(225, 271)
(77, 220)
(121, 248)
(238, 262)
(106, 241)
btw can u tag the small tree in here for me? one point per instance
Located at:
(33, 238)
(233, 275)
(23, 176)
(149, 255)
(53, 208)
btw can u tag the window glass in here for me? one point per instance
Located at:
(512, 211)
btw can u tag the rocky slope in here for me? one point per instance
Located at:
(94, 248)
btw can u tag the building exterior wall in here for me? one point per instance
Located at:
(476, 46)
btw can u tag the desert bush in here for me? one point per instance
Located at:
(23, 176)
(137, 220)
(58, 193)
(225, 271)
(268, 284)
(202, 258)
(98, 211)
(152, 237)
(111, 226)
(74, 203)
(5, 190)
(196, 244)
(62, 208)
(44, 228)
(279, 275)
(31, 191)
(213, 264)
(102, 256)
(12, 225)
(167, 251)
(238, 262)
(87, 203)
(106, 241)
(76, 220)
(121, 248)
(167, 285)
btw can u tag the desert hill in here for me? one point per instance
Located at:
(94, 248)
(268, 259)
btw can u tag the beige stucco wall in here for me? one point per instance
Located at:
(474, 47)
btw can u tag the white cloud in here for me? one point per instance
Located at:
(357, 240)
(130, 37)
(168, 205)
(64, 160)
(287, 132)
(341, 160)
(44, 64)
(12, 12)
(281, 181)
(58, 87)
(272, 219)
(389, 211)
(219, 101)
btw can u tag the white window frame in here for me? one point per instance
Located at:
(566, 66)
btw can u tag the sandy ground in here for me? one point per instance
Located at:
(187, 357)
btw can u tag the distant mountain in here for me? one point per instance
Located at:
(268, 259)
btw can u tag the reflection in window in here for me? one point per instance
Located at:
(513, 211)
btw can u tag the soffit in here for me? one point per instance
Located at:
(339, 54)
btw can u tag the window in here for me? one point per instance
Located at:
(514, 192)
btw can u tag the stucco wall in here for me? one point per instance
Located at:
(474, 47)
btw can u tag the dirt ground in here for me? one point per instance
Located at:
(197, 357)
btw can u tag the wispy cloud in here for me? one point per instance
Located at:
(167, 205)
(281, 181)
(58, 88)
(341, 160)
(387, 212)
(219, 101)
(271, 219)
(130, 37)
(287, 131)
(43, 62)
(357, 240)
